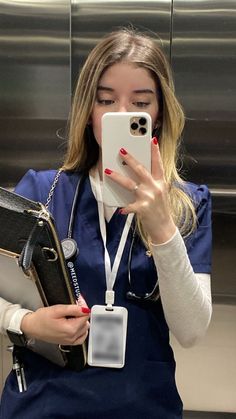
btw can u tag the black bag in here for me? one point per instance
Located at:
(33, 271)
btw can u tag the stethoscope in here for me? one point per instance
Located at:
(71, 251)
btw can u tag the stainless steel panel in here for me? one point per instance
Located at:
(204, 63)
(35, 84)
(93, 19)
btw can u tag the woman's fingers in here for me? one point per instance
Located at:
(157, 170)
(151, 201)
(70, 310)
(140, 172)
(77, 334)
(62, 324)
(74, 324)
(122, 180)
(81, 336)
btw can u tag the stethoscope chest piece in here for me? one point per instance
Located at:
(69, 247)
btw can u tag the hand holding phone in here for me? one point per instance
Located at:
(131, 131)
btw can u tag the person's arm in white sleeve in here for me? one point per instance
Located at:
(11, 315)
(185, 295)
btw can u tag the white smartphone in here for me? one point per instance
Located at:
(133, 132)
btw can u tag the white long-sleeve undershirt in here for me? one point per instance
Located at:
(185, 295)
(11, 315)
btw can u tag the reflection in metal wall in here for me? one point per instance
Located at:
(35, 84)
(93, 19)
(204, 64)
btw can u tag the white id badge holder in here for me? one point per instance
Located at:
(107, 336)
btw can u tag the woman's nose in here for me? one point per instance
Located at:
(123, 108)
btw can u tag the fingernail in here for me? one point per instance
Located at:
(121, 211)
(123, 151)
(108, 171)
(155, 140)
(85, 310)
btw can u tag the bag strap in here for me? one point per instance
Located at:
(54, 184)
(27, 252)
(26, 255)
(25, 258)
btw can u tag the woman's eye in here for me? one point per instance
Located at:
(141, 104)
(105, 101)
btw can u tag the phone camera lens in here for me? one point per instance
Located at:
(142, 130)
(142, 121)
(134, 126)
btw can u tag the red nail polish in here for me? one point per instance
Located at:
(155, 140)
(108, 171)
(120, 211)
(85, 310)
(123, 151)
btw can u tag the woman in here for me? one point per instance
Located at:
(125, 72)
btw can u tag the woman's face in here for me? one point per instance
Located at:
(124, 87)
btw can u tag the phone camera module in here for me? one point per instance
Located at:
(138, 126)
(142, 121)
(142, 130)
(134, 126)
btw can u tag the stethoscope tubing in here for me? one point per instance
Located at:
(151, 296)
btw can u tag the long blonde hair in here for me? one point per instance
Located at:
(82, 154)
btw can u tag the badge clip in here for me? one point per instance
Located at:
(109, 299)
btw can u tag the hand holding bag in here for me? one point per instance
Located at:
(34, 272)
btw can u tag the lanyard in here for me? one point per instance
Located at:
(110, 273)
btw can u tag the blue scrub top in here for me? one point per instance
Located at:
(145, 387)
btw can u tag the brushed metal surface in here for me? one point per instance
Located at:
(35, 84)
(204, 62)
(93, 19)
